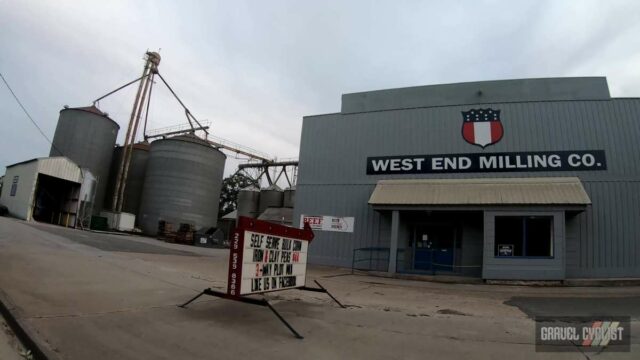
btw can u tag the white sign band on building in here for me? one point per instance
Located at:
(328, 223)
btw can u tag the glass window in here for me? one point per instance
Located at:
(14, 186)
(539, 236)
(530, 236)
(509, 236)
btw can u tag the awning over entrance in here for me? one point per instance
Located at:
(486, 191)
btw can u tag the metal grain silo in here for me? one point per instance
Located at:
(248, 200)
(135, 177)
(271, 196)
(182, 184)
(289, 197)
(87, 136)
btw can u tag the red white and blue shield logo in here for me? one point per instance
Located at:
(482, 127)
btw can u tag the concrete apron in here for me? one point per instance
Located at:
(449, 279)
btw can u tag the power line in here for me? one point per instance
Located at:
(29, 116)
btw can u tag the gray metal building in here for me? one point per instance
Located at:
(534, 179)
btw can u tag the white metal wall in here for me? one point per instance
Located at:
(20, 204)
(60, 167)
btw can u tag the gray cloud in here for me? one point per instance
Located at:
(255, 68)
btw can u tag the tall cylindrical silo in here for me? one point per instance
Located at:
(87, 136)
(248, 200)
(289, 197)
(135, 177)
(182, 184)
(271, 196)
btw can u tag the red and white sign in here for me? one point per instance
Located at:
(315, 222)
(482, 127)
(328, 223)
(267, 257)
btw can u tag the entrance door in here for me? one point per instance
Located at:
(434, 247)
(55, 200)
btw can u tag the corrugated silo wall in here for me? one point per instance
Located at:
(248, 200)
(135, 179)
(289, 198)
(270, 198)
(182, 184)
(602, 241)
(88, 140)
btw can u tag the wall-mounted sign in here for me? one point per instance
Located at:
(505, 250)
(579, 160)
(482, 127)
(328, 223)
(267, 257)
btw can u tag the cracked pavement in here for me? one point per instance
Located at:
(104, 296)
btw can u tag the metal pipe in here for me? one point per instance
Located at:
(116, 90)
(287, 177)
(236, 150)
(146, 114)
(129, 150)
(186, 113)
(279, 175)
(181, 103)
(197, 122)
(174, 132)
(268, 164)
(126, 140)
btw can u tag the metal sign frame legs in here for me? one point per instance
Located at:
(263, 302)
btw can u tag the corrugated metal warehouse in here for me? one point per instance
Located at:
(534, 179)
(49, 190)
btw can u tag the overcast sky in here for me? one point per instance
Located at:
(255, 68)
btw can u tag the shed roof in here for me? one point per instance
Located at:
(487, 191)
(91, 109)
(94, 110)
(56, 166)
(23, 162)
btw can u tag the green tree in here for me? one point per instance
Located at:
(229, 193)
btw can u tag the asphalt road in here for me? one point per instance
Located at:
(578, 306)
(97, 296)
(108, 242)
